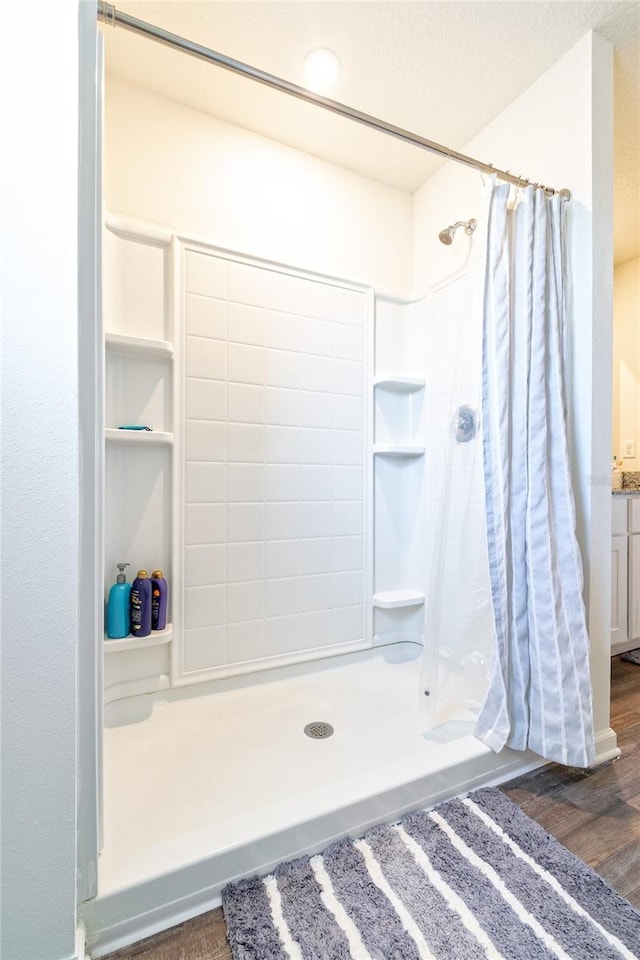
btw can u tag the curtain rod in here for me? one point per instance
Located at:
(110, 15)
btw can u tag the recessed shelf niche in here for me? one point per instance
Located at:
(397, 406)
(399, 470)
(139, 353)
(135, 289)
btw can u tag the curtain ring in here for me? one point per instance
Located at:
(482, 173)
(517, 196)
(107, 12)
(508, 174)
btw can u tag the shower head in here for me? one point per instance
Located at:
(446, 236)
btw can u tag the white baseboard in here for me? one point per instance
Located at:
(606, 746)
(622, 646)
(79, 951)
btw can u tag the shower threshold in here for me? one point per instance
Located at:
(210, 787)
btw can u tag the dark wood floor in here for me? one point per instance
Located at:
(596, 815)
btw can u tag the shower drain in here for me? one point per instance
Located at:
(318, 730)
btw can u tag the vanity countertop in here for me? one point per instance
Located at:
(630, 484)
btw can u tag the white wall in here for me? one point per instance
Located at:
(170, 164)
(39, 478)
(559, 131)
(626, 360)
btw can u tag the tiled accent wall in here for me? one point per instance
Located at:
(274, 519)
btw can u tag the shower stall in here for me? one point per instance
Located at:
(306, 351)
(303, 491)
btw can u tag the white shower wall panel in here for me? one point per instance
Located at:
(275, 475)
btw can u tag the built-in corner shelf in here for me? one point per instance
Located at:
(155, 639)
(139, 346)
(393, 450)
(399, 384)
(390, 599)
(140, 437)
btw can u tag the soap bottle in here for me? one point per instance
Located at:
(158, 600)
(616, 475)
(118, 621)
(141, 605)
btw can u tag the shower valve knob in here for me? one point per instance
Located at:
(465, 424)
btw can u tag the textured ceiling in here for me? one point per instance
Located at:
(441, 68)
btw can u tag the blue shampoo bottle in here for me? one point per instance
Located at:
(118, 617)
(141, 605)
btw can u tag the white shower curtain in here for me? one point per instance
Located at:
(540, 690)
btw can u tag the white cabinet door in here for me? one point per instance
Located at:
(619, 515)
(634, 586)
(619, 588)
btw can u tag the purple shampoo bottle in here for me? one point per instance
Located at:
(158, 600)
(141, 605)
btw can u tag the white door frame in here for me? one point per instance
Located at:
(91, 448)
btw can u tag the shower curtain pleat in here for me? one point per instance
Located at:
(539, 694)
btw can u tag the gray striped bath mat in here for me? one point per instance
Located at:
(474, 879)
(632, 656)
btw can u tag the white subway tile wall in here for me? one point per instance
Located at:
(274, 471)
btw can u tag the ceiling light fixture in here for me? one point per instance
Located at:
(321, 70)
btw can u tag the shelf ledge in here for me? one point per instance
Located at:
(113, 435)
(139, 346)
(155, 639)
(392, 450)
(140, 231)
(390, 599)
(399, 384)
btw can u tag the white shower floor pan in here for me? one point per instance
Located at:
(208, 787)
